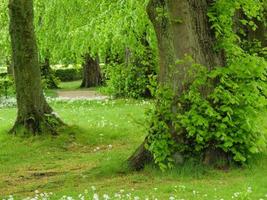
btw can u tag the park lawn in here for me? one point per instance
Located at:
(75, 85)
(93, 151)
(71, 85)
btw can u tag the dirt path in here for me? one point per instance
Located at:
(85, 94)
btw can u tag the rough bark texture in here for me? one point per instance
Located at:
(48, 74)
(183, 30)
(91, 72)
(34, 114)
(140, 158)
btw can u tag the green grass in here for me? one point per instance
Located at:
(70, 85)
(75, 85)
(68, 164)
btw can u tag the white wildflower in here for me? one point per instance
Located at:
(95, 197)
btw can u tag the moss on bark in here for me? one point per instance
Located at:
(34, 115)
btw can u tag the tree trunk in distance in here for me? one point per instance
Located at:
(91, 72)
(34, 115)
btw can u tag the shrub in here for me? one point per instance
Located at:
(127, 81)
(132, 79)
(226, 119)
(7, 87)
(68, 74)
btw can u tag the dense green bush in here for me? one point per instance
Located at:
(227, 117)
(127, 81)
(132, 79)
(68, 74)
(7, 87)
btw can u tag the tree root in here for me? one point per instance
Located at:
(48, 124)
(140, 158)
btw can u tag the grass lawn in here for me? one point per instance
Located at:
(93, 152)
(70, 85)
(74, 85)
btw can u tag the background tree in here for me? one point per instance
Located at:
(113, 27)
(91, 72)
(34, 114)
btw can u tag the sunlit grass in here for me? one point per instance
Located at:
(70, 85)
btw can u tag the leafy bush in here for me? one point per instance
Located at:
(7, 87)
(49, 80)
(125, 81)
(225, 119)
(132, 79)
(68, 74)
(218, 109)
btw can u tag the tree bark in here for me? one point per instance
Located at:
(91, 72)
(182, 29)
(140, 157)
(34, 115)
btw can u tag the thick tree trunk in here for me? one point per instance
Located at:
(183, 29)
(34, 114)
(140, 158)
(48, 74)
(91, 72)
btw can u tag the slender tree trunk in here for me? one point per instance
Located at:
(183, 29)
(91, 72)
(34, 114)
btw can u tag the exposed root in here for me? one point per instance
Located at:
(48, 124)
(140, 158)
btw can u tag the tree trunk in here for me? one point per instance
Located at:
(182, 29)
(140, 157)
(48, 74)
(91, 72)
(34, 115)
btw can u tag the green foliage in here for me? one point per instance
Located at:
(68, 74)
(227, 117)
(4, 34)
(132, 79)
(7, 87)
(220, 108)
(50, 82)
(160, 141)
(66, 30)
